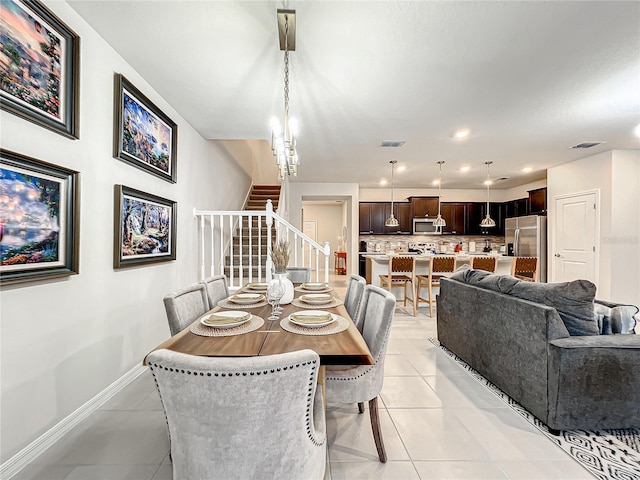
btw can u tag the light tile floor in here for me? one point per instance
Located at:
(437, 422)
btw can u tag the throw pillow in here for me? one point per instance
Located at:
(573, 301)
(620, 317)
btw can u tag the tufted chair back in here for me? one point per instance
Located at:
(239, 418)
(353, 297)
(216, 288)
(185, 306)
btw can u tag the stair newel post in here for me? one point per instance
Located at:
(327, 252)
(269, 222)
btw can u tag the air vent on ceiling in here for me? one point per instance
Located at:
(500, 179)
(587, 144)
(392, 143)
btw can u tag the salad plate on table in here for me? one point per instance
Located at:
(246, 298)
(316, 298)
(261, 287)
(312, 318)
(314, 286)
(225, 319)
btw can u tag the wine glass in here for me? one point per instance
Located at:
(274, 294)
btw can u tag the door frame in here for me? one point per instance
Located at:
(551, 232)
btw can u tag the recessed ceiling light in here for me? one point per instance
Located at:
(401, 168)
(636, 132)
(464, 169)
(527, 169)
(383, 181)
(487, 182)
(435, 182)
(462, 133)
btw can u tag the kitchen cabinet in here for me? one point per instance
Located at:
(475, 214)
(454, 215)
(496, 210)
(424, 206)
(372, 217)
(403, 211)
(538, 201)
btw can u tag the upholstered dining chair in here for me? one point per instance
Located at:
(184, 306)
(216, 288)
(242, 417)
(401, 273)
(525, 268)
(363, 383)
(438, 268)
(353, 297)
(299, 274)
(484, 263)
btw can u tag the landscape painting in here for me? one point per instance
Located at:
(37, 219)
(38, 66)
(144, 135)
(145, 228)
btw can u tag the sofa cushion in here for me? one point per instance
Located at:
(573, 300)
(616, 318)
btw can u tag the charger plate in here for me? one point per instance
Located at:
(336, 302)
(254, 323)
(339, 325)
(226, 303)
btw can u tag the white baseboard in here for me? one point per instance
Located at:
(29, 453)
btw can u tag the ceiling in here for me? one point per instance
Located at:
(528, 79)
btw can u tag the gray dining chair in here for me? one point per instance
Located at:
(242, 417)
(184, 306)
(216, 288)
(353, 297)
(363, 383)
(299, 274)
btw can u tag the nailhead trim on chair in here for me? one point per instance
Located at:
(315, 439)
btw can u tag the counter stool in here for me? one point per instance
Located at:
(484, 263)
(401, 273)
(438, 268)
(340, 263)
(525, 268)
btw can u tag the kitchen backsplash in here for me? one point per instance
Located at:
(391, 243)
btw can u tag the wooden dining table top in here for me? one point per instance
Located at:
(344, 348)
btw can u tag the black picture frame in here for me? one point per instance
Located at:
(144, 136)
(41, 83)
(39, 226)
(144, 228)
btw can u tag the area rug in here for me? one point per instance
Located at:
(607, 454)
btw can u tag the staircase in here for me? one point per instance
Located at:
(257, 201)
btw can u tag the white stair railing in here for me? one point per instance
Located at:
(244, 237)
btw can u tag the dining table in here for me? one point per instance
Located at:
(345, 347)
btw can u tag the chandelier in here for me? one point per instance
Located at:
(488, 222)
(439, 222)
(392, 221)
(283, 141)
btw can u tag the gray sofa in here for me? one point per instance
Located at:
(585, 380)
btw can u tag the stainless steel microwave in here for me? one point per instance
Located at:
(425, 226)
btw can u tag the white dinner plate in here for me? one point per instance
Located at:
(258, 286)
(316, 298)
(246, 298)
(226, 319)
(300, 321)
(314, 286)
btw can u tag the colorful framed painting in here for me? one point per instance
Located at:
(143, 135)
(39, 66)
(39, 219)
(145, 228)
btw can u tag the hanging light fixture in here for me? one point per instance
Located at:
(488, 222)
(439, 221)
(392, 221)
(283, 141)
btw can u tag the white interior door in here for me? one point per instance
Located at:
(574, 237)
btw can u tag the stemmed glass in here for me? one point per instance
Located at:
(274, 294)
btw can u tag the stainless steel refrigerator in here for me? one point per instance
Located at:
(527, 237)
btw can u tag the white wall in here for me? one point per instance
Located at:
(65, 340)
(449, 195)
(299, 191)
(329, 222)
(615, 175)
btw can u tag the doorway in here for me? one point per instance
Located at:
(575, 237)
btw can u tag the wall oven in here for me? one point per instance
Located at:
(425, 226)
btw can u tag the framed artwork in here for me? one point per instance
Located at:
(39, 216)
(143, 135)
(145, 228)
(39, 66)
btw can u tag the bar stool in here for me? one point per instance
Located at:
(438, 268)
(340, 263)
(484, 263)
(525, 268)
(401, 272)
